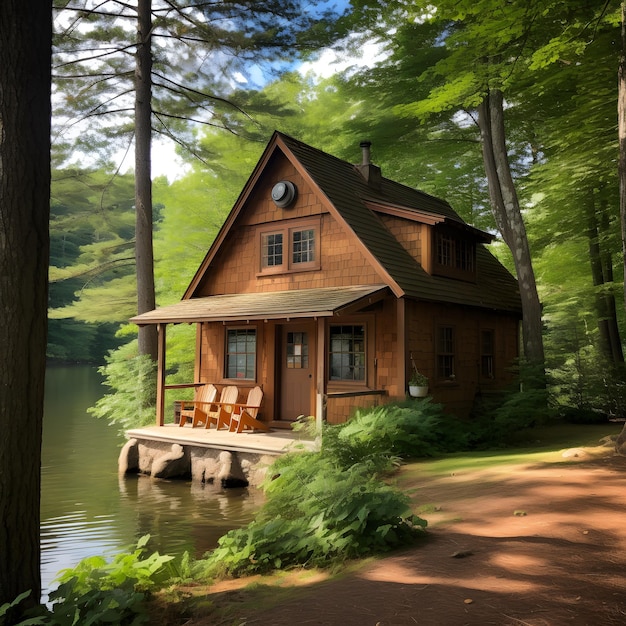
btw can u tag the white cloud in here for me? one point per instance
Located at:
(331, 62)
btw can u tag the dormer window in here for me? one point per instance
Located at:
(453, 255)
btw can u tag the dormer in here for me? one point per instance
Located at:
(453, 249)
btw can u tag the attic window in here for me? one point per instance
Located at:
(288, 247)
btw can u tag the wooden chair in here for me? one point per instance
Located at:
(198, 407)
(244, 416)
(221, 410)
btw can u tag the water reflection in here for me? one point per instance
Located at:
(86, 509)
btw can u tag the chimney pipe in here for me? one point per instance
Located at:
(365, 148)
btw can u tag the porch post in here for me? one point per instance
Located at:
(320, 406)
(401, 331)
(160, 396)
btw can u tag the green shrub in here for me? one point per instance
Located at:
(98, 592)
(317, 514)
(328, 506)
(416, 428)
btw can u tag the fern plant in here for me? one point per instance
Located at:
(331, 505)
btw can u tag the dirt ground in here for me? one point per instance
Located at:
(536, 545)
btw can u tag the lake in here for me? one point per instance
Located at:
(86, 509)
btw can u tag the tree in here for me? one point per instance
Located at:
(250, 32)
(487, 51)
(508, 215)
(25, 49)
(146, 296)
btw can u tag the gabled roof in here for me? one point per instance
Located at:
(352, 201)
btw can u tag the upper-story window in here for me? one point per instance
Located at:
(303, 246)
(287, 248)
(453, 256)
(272, 250)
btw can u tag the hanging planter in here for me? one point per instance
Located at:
(418, 385)
(418, 391)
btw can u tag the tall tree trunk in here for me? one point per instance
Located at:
(620, 444)
(146, 300)
(25, 50)
(506, 210)
(609, 306)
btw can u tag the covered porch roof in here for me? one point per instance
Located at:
(320, 302)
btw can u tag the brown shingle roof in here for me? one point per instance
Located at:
(348, 191)
(321, 302)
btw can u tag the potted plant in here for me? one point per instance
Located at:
(418, 385)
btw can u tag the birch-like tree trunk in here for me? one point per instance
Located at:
(25, 50)
(146, 300)
(508, 216)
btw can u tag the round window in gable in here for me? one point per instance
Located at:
(284, 193)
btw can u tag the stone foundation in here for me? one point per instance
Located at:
(161, 459)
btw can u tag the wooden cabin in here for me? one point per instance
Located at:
(329, 283)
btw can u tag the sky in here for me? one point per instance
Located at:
(165, 161)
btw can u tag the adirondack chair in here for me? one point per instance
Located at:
(198, 407)
(244, 416)
(221, 410)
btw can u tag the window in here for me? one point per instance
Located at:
(272, 250)
(453, 256)
(445, 352)
(486, 353)
(445, 246)
(297, 350)
(465, 255)
(347, 353)
(284, 249)
(303, 248)
(241, 353)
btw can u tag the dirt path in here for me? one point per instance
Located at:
(533, 545)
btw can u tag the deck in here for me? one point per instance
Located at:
(207, 455)
(274, 442)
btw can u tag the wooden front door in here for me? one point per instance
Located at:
(297, 370)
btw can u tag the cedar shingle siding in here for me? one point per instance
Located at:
(376, 246)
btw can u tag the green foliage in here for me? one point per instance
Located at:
(416, 428)
(132, 380)
(91, 246)
(98, 592)
(331, 505)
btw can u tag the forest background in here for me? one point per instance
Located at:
(417, 99)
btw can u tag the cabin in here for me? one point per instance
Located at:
(329, 284)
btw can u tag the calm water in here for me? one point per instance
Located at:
(87, 510)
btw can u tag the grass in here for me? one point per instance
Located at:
(540, 445)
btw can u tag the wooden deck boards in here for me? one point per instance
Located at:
(274, 442)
